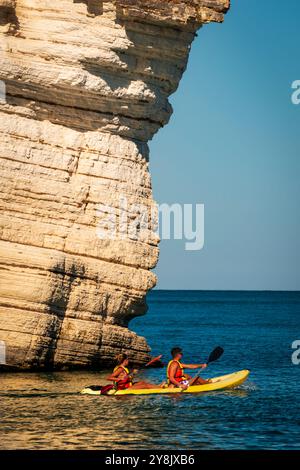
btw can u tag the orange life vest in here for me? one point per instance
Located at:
(179, 375)
(122, 384)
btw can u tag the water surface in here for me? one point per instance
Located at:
(256, 329)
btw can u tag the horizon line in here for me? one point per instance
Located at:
(228, 290)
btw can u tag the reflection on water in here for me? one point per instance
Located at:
(256, 329)
(239, 392)
(40, 411)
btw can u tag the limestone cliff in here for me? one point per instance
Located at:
(87, 85)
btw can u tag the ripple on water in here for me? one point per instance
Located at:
(45, 410)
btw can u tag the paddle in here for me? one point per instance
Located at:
(152, 361)
(155, 359)
(214, 356)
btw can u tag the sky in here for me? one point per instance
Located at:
(233, 144)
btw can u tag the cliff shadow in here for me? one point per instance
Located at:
(94, 7)
(8, 16)
(58, 304)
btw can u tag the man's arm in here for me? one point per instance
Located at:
(194, 366)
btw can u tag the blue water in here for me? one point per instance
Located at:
(256, 329)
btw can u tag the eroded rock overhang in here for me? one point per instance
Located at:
(87, 85)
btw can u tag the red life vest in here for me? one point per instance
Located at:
(122, 384)
(179, 375)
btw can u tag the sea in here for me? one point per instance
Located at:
(259, 331)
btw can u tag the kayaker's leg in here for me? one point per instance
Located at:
(201, 381)
(142, 384)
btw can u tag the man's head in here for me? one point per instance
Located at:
(176, 353)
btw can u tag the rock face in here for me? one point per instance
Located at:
(87, 85)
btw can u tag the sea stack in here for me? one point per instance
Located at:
(84, 86)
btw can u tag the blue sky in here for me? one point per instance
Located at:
(233, 144)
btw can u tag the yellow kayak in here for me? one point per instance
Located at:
(217, 383)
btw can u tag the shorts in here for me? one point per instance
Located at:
(184, 382)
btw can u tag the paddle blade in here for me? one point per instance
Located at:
(215, 354)
(155, 359)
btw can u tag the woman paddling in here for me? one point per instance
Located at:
(122, 378)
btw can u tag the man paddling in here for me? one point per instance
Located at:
(175, 371)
